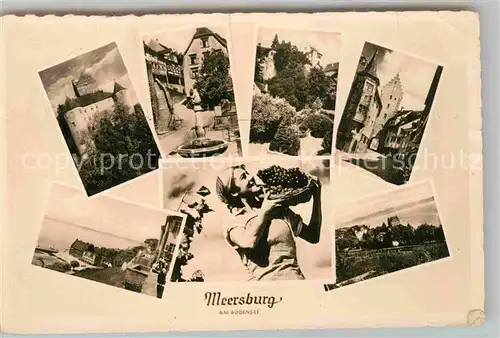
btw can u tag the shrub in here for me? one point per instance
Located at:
(318, 124)
(74, 264)
(286, 140)
(327, 143)
(267, 114)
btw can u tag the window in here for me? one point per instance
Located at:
(391, 97)
(193, 59)
(369, 87)
(388, 105)
(176, 227)
(204, 42)
(194, 74)
(385, 115)
(205, 54)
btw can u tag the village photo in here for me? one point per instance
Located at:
(386, 112)
(251, 219)
(295, 91)
(388, 232)
(108, 241)
(100, 118)
(191, 91)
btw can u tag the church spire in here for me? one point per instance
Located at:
(371, 67)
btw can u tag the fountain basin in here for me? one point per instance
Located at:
(202, 148)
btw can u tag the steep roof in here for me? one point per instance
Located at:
(79, 245)
(202, 32)
(118, 87)
(87, 99)
(371, 67)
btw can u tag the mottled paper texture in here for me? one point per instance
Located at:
(444, 292)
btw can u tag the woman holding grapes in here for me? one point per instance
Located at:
(263, 230)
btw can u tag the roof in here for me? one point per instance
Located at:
(403, 117)
(332, 67)
(86, 99)
(202, 32)
(79, 245)
(371, 68)
(118, 87)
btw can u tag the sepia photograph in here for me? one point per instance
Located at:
(386, 112)
(251, 219)
(295, 91)
(191, 92)
(100, 118)
(108, 240)
(398, 229)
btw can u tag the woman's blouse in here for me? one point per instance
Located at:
(274, 257)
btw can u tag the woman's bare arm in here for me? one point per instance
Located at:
(247, 237)
(311, 232)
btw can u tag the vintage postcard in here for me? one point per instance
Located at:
(361, 170)
(251, 219)
(387, 232)
(191, 92)
(108, 240)
(100, 118)
(294, 92)
(387, 111)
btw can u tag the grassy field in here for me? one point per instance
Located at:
(111, 276)
(382, 261)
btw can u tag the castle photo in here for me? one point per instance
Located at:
(100, 118)
(386, 112)
(191, 92)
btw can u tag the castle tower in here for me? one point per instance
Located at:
(120, 94)
(391, 97)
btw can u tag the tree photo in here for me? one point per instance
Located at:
(300, 69)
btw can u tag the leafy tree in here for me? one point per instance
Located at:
(214, 81)
(318, 85)
(259, 58)
(318, 124)
(275, 42)
(326, 144)
(267, 114)
(119, 147)
(286, 140)
(152, 243)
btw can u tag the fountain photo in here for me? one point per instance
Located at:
(100, 118)
(387, 232)
(109, 241)
(295, 92)
(191, 92)
(251, 219)
(387, 112)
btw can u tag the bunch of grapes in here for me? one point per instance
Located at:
(282, 181)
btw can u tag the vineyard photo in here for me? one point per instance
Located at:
(388, 233)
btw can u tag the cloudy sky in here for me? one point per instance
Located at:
(212, 254)
(179, 39)
(416, 74)
(71, 214)
(414, 204)
(326, 43)
(105, 64)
